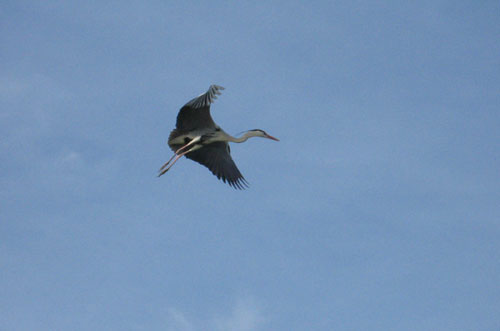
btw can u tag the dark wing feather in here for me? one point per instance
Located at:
(196, 113)
(216, 158)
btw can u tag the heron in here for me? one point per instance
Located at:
(197, 137)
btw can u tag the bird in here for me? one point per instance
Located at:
(197, 137)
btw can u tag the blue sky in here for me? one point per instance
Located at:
(377, 210)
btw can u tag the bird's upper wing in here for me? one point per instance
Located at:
(216, 157)
(196, 113)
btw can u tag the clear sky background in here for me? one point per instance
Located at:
(377, 210)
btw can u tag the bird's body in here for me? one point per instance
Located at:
(197, 137)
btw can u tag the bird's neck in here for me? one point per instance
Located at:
(243, 138)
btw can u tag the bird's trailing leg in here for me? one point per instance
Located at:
(195, 140)
(177, 156)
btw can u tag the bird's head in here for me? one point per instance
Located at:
(262, 133)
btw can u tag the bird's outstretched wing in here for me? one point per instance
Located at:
(216, 157)
(196, 113)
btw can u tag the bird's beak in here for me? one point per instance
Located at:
(272, 138)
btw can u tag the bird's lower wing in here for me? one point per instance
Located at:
(216, 158)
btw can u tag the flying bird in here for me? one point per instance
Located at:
(197, 137)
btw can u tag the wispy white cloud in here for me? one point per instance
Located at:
(177, 321)
(30, 106)
(245, 315)
(70, 158)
